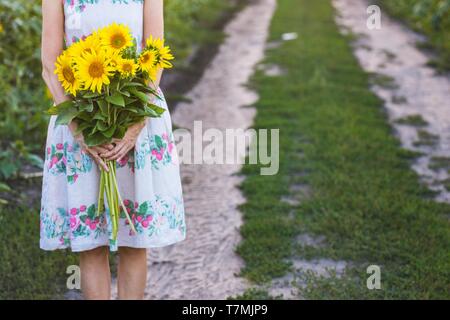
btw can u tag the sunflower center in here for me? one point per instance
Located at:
(96, 70)
(117, 41)
(127, 67)
(145, 58)
(68, 75)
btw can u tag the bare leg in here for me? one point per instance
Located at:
(95, 274)
(132, 273)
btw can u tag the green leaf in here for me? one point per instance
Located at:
(125, 93)
(8, 169)
(88, 107)
(91, 95)
(110, 132)
(141, 96)
(156, 108)
(116, 99)
(4, 187)
(103, 106)
(66, 116)
(132, 84)
(102, 126)
(85, 116)
(95, 139)
(35, 160)
(55, 110)
(82, 127)
(99, 116)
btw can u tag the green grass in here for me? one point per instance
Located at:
(365, 199)
(26, 271)
(415, 120)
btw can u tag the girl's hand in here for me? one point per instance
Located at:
(94, 152)
(123, 146)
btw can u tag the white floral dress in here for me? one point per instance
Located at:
(149, 179)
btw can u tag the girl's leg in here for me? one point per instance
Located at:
(95, 274)
(132, 273)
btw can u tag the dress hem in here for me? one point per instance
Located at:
(92, 246)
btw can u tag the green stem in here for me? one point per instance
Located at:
(101, 193)
(123, 205)
(111, 206)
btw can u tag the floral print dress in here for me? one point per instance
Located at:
(149, 179)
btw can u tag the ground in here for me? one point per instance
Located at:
(364, 164)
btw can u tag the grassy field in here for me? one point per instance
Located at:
(26, 272)
(335, 139)
(430, 17)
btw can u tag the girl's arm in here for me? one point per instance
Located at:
(52, 46)
(154, 24)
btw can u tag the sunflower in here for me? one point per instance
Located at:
(164, 56)
(90, 44)
(116, 37)
(163, 52)
(66, 74)
(154, 43)
(127, 67)
(94, 70)
(147, 61)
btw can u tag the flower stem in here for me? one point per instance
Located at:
(121, 202)
(101, 194)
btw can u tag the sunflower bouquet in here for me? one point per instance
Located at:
(108, 81)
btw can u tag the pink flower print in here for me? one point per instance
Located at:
(64, 160)
(87, 221)
(53, 161)
(92, 226)
(73, 211)
(136, 205)
(158, 155)
(139, 218)
(75, 177)
(165, 137)
(149, 218)
(83, 208)
(59, 146)
(49, 150)
(170, 147)
(128, 210)
(123, 161)
(144, 223)
(73, 222)
(126, 202)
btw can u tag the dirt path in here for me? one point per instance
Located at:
(205, 265)
(409, 88)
